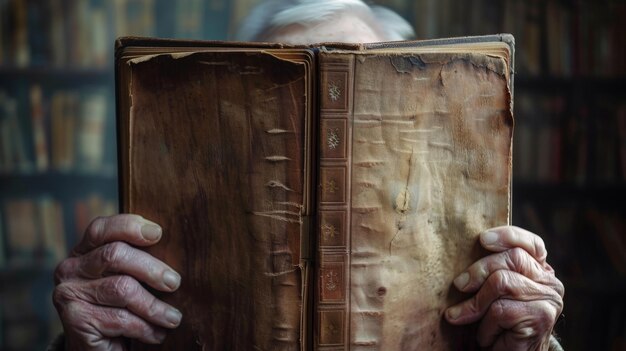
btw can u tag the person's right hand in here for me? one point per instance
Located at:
(98, 294)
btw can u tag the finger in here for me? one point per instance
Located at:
(126, 292)
(110, 322)
(527, 322)
(129, 228)
(516, 260)
(511, 342)
(115, 258)
(502, 284)
(507, 237)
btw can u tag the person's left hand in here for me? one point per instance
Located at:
(518, 298)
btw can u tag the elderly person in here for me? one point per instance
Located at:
(100, 298)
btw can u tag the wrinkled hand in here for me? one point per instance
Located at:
(98, 294)
(517, 295)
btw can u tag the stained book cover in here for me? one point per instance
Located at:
(320, 197)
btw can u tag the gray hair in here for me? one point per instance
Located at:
(274, 14)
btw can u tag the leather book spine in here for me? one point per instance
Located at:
(336, 80)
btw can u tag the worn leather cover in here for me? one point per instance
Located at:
(415, 164)
(332, 217)
(215, 146)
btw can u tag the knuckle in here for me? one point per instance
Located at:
(62, 295)
(559, 288)
(122, 317)
(122, 287)
(129, 222)
(498, 309)
(515, 258)
(545, 317)
(94, 231)
(73, 314)
(473, 307)
(499, 282)
(63, 271)
(540, 247)
(154, 307)
(111, 253)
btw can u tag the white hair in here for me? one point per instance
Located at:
(274, 14)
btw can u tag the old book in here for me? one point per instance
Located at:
(320, 197)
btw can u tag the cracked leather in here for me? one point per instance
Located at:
(201, 130)
(431, 161)
(214, 147)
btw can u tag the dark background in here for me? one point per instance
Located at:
(57, 137)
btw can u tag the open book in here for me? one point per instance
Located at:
(320, 197)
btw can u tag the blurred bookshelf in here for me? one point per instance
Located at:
(58, 157)
(57, 134)
(569, 162)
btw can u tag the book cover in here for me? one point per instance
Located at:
(318, 197)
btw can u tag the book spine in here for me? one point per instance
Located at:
(39, 128)
(20, 49)
(90, 135)
(331, 329)
(3, 259)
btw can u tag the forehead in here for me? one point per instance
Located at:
(345, 28)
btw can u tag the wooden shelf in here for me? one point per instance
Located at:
(602, 195)
(57, 74)
(59, 185)
(567, 84)
(609, 286)
(26, 272)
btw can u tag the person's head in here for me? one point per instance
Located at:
(315, 21)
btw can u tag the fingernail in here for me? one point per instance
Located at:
(454, 312)
(159, 336)
(490, 238)
(461, 281)
(173, 316)
(171, 279)
(151, 232)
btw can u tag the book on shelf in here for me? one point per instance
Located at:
(57, 32)
(135, 17)
(14, 155)
(35, 232)
(19, 44)
(4, 16)
(621, 132)
(610, 229)
(39, 122)
(68, 132)
(90, 133)
(88, 208)
(51, 229)
(64, 116)
(69, 33)
(316, 197)
(559, 38)
(560, 142)
(190, 17)
(3, 257)
(21, 231)
(19, 319)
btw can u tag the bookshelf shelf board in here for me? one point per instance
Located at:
(59, 185)
(29, 272)
(70, 74)
(565, 84)
(594, 286)
(548, 193)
